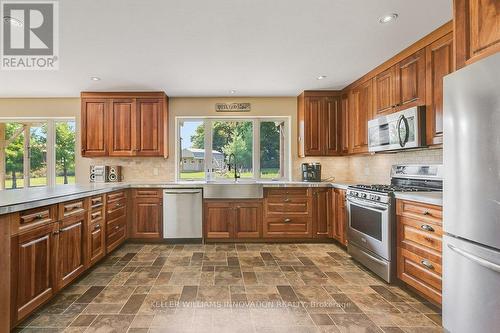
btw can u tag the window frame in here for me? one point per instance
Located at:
(51, 146)
(256, 120)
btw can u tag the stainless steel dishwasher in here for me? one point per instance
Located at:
(182, 214)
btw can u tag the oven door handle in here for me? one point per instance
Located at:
(365, 204)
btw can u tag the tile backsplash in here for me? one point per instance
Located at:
(364, 169)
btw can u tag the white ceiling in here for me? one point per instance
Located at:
(207, 48)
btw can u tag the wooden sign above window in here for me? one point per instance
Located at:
(232, 107)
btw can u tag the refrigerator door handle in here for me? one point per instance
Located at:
(476, 259)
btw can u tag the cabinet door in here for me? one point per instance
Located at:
(361, 105)
(411, 81)
(96, 242)
(341, 217)
(248, 222)
(477, 30)
(384, 93)
(219, 219)
(70, 250)
(148, 218)
(321, 211)
(149, 127)
(94, 127)
(313, 127)
(345, 124)
(439, 58)
(33, 266)
(332, 123)
(122, 128)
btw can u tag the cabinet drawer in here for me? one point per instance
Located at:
(288, 205)
(288, 226)
(71, 208)
(116, 209)
(115, 234)
(97, 201)
(417, 233)
(115, 196)
(147, 193)
(97, 215)
(115, 224)
(420, 211)
(290, 191)
(36, 217)
(420, 273)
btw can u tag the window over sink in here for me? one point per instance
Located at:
(260, 146)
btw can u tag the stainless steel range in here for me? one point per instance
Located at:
(372, 217)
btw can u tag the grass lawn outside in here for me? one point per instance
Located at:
(200, 175)
(38, 181)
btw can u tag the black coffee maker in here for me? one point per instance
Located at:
(311, 172)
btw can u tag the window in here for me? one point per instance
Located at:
(37, 152)
(259, 147)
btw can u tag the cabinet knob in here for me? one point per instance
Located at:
(427, 227)
(287, 220)
(55, 232)
(427, 212)
(427, 264)
(97, 227)
(286, 200)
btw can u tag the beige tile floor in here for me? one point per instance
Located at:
(232, 288)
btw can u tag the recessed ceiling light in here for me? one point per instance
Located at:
(232, 91)
(388, 18)
(95, 78)
(13, 21)
(321, 77)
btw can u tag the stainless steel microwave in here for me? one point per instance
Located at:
(401, 130)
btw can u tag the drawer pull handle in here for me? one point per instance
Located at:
(118, 205)
(55, 232)
(427, 213)
(427, 227)
(286, 200)
(427, 264)
(94, 215)
(287, 220)
(97, 227)
(39, 216)
(117, 227)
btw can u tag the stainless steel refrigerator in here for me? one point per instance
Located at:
(471, 207)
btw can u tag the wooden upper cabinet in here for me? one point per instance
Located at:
(410, 87)
(439, 59)
(344, 127)
(313, 126)
(477, 30)
(124, 124)
(94, 127)
(149, 127)
(384, 92)
(319, 121)
(360, 104)
(122, 132)
(400, 86)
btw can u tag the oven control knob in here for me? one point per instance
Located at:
(378, 197)
(363, 195)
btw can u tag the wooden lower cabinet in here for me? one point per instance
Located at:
(419, 247)
(116, 219)
(230, 220)
(321, 212)
(147, 212)
(96, 241)
(33, 280)
(70, 249)
(338, 217)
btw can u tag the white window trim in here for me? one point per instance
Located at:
(256, 142)
(51, 144)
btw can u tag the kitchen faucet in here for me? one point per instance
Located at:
(233, 157)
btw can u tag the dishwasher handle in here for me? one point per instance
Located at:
(192, 192)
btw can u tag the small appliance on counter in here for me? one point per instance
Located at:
(105, 173)
(311, 172)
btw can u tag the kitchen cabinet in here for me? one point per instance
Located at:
(360, 106)
(400, 86)
(477, 30)
(338, 216)
(288, 213)
(116, 219)
(94, 127)
(419, 247)
(33, 281)
(70, 249)
(439, 59)
(96, 238)
(321, 212)
(124, 124)
(147, 214)
(344, 128)
(234, 219)
(320, 124)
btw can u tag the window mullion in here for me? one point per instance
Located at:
(208, 146)
(51, 153)
(256, 149)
